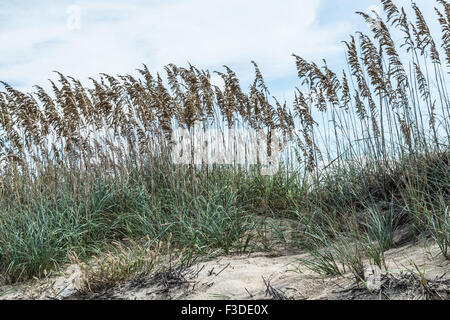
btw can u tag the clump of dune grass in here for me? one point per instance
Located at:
(127, 260)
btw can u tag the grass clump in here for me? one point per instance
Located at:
(123, 261)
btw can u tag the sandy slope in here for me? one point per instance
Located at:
(250, 276)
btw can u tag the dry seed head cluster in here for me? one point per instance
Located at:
(122, 117)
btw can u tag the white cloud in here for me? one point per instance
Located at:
(116, 37)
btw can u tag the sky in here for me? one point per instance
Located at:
(86, 37)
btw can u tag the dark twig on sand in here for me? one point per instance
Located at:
(251, 296)
(406, 285)
(274, 293)
(223, 269)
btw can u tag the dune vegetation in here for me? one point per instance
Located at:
(365, 154)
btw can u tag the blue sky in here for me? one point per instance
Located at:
(116, 37)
